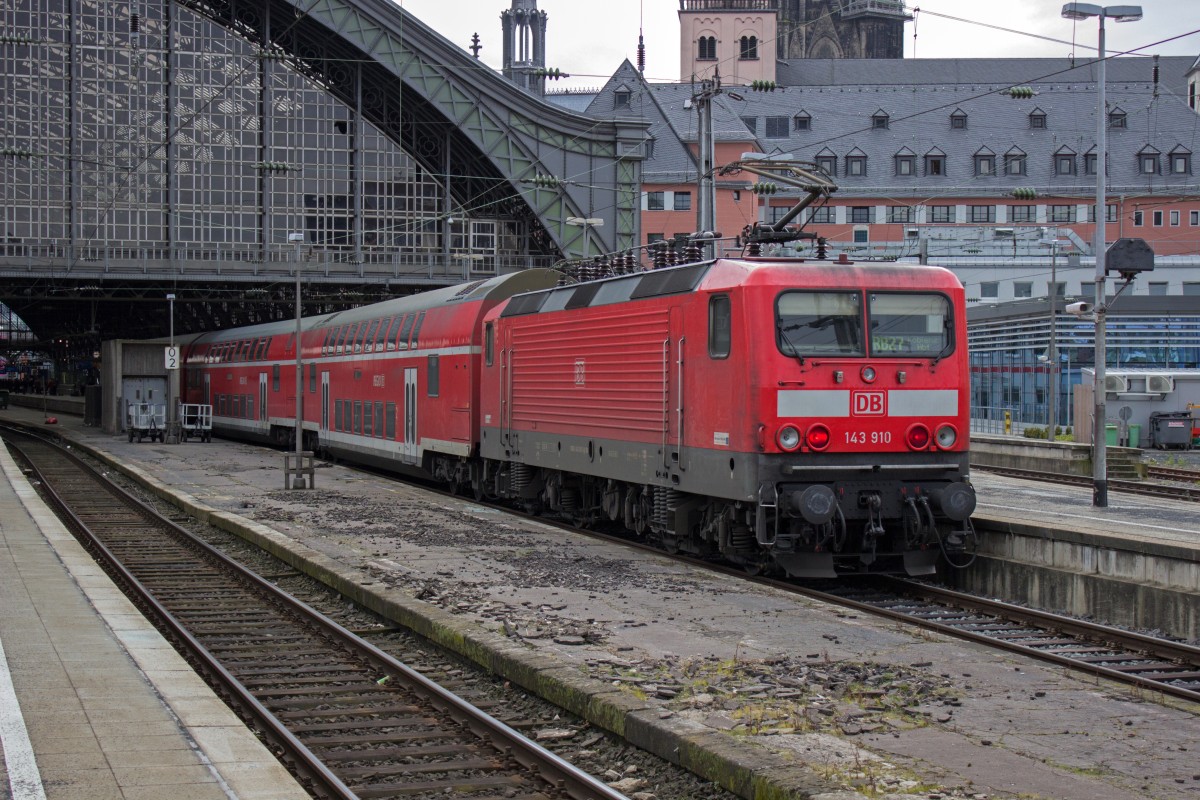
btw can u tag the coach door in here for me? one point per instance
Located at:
(409, 446)
(324, 407)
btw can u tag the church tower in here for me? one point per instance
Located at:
(733, 37)
(525, 45)
(842, 29)
(743, 38)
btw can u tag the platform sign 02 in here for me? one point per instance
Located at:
(172, 357)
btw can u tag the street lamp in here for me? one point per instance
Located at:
(585, 223)
(298, 478)
(1080, 11)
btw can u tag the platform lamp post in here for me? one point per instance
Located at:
(585, 223)
(1081, 11)
(298, 477)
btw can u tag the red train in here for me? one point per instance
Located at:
(810, 417)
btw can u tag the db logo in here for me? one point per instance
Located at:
(867, 404)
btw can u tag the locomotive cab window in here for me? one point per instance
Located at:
(819, 323)
(910, 325)
(720, 326)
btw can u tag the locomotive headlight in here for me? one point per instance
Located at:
(917, 437)
(788, 438)
(818, 437)
(946, 437)
(868, 374)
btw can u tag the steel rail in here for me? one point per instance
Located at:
(531, 756)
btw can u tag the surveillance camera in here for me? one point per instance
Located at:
(1079, 309)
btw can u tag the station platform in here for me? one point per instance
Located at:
(94, 703)
(551, 606)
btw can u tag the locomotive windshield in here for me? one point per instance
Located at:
(910, 325)
(832, 324)
(819, 323)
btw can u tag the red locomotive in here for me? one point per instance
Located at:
(811, 417)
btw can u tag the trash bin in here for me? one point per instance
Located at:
(1171, 429)
(1110, 435)
(1135, 435)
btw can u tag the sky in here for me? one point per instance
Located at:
(589, 39)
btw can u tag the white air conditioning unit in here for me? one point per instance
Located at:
(1160, 384)
(1116, 383)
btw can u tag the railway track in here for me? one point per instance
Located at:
(1159, 665)
(349, 720)
(1175, 490)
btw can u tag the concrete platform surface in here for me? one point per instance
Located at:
(94, 703)
(785, 691)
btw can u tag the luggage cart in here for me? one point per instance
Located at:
(195, 421)
(146, 419)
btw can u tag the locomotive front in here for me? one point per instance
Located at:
(864, 401)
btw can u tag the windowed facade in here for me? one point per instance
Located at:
(683, 201)
(1089, 164)
(958, 121)
(862, 215)
(1064, 163)
(880, 120)
(706, 49)
(1181, 163)
(1037, 119)
(1175, 218)
(989, 290)
(777, 127)
(900, 214)
(1194, 218)
(1022, 213)
(751, 124)
(1157, 216)
(985, 164)
(982, 214)
(1109, 216)
(748, 48)
(1117, 119)
(1014, 162)
(940, 214)
(935, 165)
(1062, 213)
(655, 201)
(1148, 163)
(822, 215)
(856, 165)
(1022, 289)
(621, 98)
(802, 122)
(828, 164)
(906, 165)
(1138, 219)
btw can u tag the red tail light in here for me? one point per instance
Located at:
(917, 437)
(817, 437)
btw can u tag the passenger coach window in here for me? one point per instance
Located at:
(369, 342)
(433, 376)
(819, 323)
(391, 334)
(910, 325)
(489, 344)
(720, 325)
(408, 322)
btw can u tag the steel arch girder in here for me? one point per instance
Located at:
(515, 140)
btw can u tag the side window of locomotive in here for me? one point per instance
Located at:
(720, 326)
(910, 325)
(489, 344)
(819, 324)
